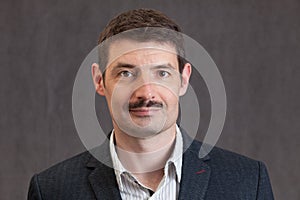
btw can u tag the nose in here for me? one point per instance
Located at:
(145, 92)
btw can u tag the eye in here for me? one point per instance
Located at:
(125, 74)
(163, 74)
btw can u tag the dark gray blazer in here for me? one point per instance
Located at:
(220, 175)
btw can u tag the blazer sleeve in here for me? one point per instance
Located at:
(34, 189)
(264, 191)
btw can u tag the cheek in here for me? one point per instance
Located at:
(119, 96)
(170, 98)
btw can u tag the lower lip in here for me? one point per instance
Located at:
(144, 112)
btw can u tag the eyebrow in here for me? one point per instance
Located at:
(123, 65)
(119, 66)
(164, 66)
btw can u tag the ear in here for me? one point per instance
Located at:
(97, 79)
(185, 77)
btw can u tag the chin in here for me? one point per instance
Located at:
(141, 130)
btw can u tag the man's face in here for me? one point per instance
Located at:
(142, 86)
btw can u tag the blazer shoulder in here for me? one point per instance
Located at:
(217, 155)
(65, 180)
(227, 162)
(221, 154)
(74, 163)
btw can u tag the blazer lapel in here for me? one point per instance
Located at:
(195, 172)
(104, 184)
(102, 178)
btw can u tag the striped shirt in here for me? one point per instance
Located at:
(130, 188)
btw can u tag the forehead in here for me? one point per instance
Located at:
(141, 53)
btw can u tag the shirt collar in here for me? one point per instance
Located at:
(176, 156)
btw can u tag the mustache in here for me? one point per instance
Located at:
(145, 103)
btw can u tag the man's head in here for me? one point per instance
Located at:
(144, 74)
(143, 18)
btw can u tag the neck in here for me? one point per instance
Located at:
(143, 155)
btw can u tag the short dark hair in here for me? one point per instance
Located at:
(143, 18)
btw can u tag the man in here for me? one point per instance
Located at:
(142, 74)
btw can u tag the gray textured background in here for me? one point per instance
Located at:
(255, 44)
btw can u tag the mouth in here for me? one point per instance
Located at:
(144, 111)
